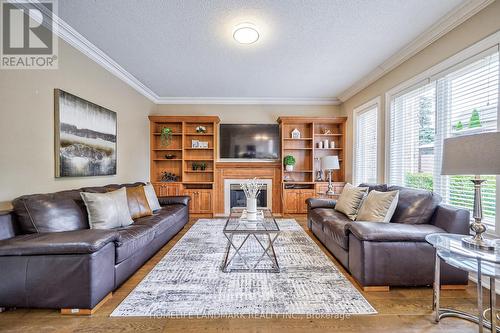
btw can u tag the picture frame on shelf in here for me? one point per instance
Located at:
(195, 144)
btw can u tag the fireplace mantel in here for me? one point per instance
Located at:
(247, 170)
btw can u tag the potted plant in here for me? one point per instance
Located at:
(203, 165)
(195, 166)
(166, 136)
(289, 162)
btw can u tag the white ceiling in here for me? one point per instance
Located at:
(308, 49)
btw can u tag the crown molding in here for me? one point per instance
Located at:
(64, 31)
(248, 101)
(436, 31)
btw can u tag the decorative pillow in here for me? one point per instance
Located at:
(153, 202)
(137, 202)
(107, 210)
(350, 200)
(378, 206)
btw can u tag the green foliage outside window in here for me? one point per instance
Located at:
(419, 180)
(474, 119)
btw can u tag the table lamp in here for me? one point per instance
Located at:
(477, 154)
(330, 163)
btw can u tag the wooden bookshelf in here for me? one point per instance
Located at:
(301, 183)
(196, 183)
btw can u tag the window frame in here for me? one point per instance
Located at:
(375, 102)
(429, 75)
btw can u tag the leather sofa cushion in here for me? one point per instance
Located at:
(376, 187)
(335, 225)
(414, 206)
(133, 239)
(68, 242)
(164, 218)
(54, 212)
(392, 232)
(137, 202)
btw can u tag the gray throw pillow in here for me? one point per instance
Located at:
(350, 199)
(153, 202)
(107, 210)
(378, 206)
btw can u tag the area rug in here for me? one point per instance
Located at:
(188, 281)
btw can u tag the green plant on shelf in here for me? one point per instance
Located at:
(166, 136)
(289, 160)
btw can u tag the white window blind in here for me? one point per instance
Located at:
(365, 163)
(460, 101)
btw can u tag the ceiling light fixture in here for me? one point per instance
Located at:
(246, 33)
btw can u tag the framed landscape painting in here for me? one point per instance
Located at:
(85, 137)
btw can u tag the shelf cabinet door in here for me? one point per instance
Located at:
(193, 201)
(302, 197)
(166, 190)
(290, 201)
(204, 201)
(201, 201)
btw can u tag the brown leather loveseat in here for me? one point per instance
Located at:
(395, 253)
(49, 258)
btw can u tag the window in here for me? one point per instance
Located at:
(461, 100)
(365, 159)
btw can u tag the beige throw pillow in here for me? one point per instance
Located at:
(107, 210)
(350, 200)
(378, 206)
(149, 190)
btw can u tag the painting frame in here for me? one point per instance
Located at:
(103, 145)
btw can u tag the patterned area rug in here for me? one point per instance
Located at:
(188, 281)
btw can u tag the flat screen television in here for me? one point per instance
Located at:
(254, 141)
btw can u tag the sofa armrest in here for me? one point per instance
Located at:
(320, 203)
(391, 232)
(451, 219)
(174, 200)
(67, 242)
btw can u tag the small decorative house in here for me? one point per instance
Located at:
(295, 134)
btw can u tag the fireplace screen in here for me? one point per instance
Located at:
(238, 198)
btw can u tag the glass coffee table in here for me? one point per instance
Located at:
(250, 242)
(451, 249)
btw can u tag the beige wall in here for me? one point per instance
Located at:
(476, 28)
(27, 124)
(264, 114)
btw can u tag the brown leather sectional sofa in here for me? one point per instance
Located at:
(49, 258)
(395, 253)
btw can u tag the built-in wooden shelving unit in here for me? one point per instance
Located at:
(199, 184)
(300, 184)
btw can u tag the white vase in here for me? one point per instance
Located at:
(289, 167)
(251, 205)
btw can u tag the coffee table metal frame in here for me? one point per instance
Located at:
(269, 230)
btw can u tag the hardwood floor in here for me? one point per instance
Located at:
(400, 310)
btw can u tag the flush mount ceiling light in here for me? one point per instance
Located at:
(246, 33)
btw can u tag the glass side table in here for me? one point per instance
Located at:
(451, 250)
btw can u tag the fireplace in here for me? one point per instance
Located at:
(235, 197)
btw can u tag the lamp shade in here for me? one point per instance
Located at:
(477, 154)
(330, 163)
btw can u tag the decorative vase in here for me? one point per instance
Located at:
(289, 168)
(251, 205)
(326, 144)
